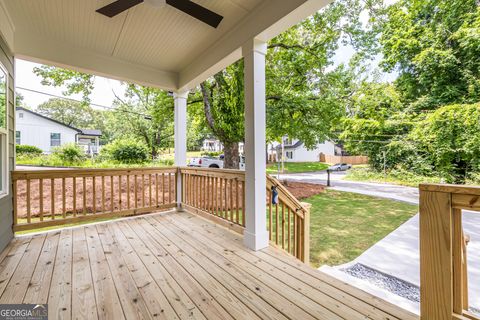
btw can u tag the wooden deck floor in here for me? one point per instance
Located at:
(172, 266)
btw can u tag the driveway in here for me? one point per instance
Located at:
(398, 253)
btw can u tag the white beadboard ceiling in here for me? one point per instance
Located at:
(162, 42)
(164, 38)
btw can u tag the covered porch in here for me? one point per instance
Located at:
(173, 265)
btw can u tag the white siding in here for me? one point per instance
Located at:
(35, 131)
(302, 154)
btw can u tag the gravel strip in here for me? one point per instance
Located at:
(382, 280)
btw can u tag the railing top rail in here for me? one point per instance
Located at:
(209, 172)
(451, 188)
(60, 173)
(290, 198)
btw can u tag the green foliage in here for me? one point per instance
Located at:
(69, 153)
(23, 149)
(394, 176)
(434, 45)
(69, 112)
(212, 154)
(126, 151)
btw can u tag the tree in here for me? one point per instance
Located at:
(434, 47)
(146, 114)
(69, 112)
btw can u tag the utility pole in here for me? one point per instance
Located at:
(384, 166)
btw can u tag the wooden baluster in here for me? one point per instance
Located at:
(465, 272)
(128, 192)
(64, 204)
(170, 188)
(306, 237)
(295, 231)
(41, 198)
(457, 252)
(270, 231)
(150, 190)
(15, 205)
(120, 193)
(276, 225)
(143, 190)
(103, 194)
(215, 195)
(94, 190)
(29, 209)
(207, 188)
(237, 202)
(243, 203)
(112, 199)
(222, 211)
(74, 181)
(135, 190)
(84, 196)
(225, 191)
(283, 225)
(205, 198)
(156, 189)
(163, 188)
(288, 230)
(52, 198)
(231, 201)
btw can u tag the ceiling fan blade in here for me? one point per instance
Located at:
(197, 11)
(118, 7)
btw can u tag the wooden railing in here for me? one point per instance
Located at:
(58, 197)
(219, 195)
(288, 221)
(216, 195)
(443, 253)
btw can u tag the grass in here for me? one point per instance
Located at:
(400, 177)
(343, 225)
(298, 167)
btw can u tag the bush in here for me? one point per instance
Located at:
(126, 151)
(69, 153)
(23, 149)
(211, 154)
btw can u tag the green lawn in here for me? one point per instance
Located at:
(297, 167)
(343, 225)
(400, 177)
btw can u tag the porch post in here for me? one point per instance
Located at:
(255, 235)
(180, 101)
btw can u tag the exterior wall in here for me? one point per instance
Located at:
(35, 131)
(302, 154)
(6, 209)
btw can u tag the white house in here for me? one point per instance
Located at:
(40, 131)
(296, 151)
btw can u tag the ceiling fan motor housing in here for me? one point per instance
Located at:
(156, 3)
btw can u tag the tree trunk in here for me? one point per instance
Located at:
(232, 157)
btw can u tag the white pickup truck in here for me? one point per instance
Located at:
(209, 162)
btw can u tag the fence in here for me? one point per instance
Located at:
(343, 159)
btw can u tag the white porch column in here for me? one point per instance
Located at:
(180, 100)
(256, 235)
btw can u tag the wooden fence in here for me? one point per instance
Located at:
(443, 250)
(343, 159)
(58, 197)
(219, 195)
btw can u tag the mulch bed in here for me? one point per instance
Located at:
(303, 190)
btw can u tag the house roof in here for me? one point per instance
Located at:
(154, 46)
(293, 146)
(87, 132)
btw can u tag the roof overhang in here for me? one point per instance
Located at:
(178, 67)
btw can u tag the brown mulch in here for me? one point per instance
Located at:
(303, 190)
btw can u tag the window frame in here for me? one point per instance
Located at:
(59, 139)
(19, 141)
(4, 143)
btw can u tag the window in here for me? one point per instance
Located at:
(3, 130)
(55, 139)
(289, 155)
(20, 115)
(17, 137)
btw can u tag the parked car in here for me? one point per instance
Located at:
(209, 162)
(340, 167)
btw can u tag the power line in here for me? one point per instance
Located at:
(92, 104)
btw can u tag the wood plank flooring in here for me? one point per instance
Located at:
(173, 266)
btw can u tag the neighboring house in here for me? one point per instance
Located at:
(212, 145)
(296, 151)
(40, 131)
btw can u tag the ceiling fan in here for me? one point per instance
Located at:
(187, 6)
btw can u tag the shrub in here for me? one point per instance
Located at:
(212, 154)
(126, 151)
(23, 149)
(69, 153)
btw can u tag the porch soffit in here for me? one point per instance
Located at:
(160, 47)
